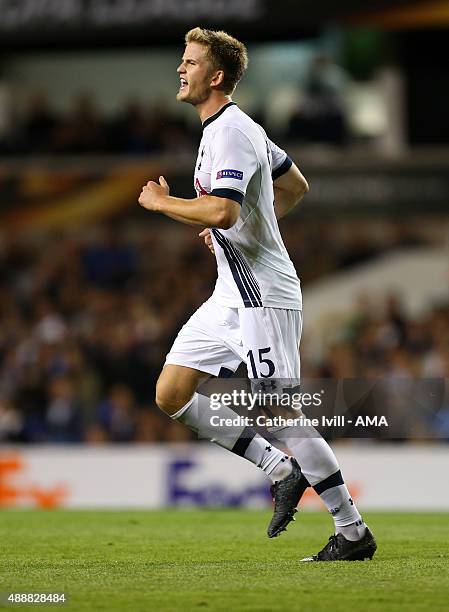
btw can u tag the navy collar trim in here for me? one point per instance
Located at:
(220, 112)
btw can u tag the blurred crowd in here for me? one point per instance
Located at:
(134, 130)
(390, 364)
(86, 320)
(321, 116)
(139, 129)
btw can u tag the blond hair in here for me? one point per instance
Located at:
(225, 53)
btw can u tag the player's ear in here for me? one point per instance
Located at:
(217, 78)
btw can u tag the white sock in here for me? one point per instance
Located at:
(346, 517)
(314, 455)
(241, 440)
(320, 466)
(353, 532)
(271, 460)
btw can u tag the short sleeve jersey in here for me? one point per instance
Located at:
(236, 160)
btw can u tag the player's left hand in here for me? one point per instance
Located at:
(207, 239)
(151, 192)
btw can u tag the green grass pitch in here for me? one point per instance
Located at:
(219, 560)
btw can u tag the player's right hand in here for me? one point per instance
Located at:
(207, 239)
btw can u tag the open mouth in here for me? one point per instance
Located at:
(183, 84)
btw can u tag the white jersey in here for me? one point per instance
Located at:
(237, 160)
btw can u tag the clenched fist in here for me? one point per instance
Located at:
(151, 192)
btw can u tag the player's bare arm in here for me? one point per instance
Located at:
(209, 210)
(289, 189)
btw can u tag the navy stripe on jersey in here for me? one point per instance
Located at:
(245, 280)
(246, 270)
(248, 297)
(230, 194)
(282, 169)
(201, 158)
(251, 278)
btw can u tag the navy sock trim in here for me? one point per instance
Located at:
(244, 441)
(334, 480)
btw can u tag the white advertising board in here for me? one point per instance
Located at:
(390, 477)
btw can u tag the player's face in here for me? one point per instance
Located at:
(195, 73)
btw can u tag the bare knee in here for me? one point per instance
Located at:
(173, 391)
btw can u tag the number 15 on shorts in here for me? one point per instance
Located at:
(261, 366)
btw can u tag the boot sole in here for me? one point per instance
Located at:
(283, 526)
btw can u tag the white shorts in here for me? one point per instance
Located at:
(216, 339)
